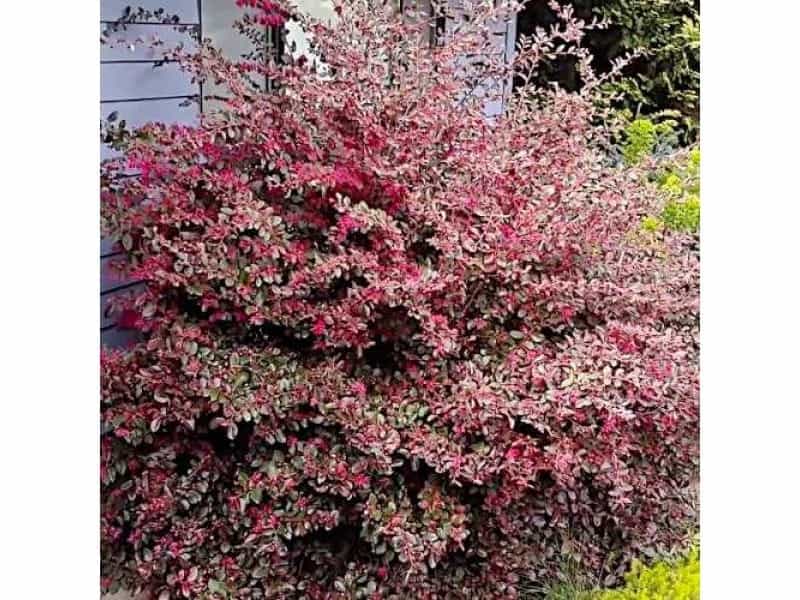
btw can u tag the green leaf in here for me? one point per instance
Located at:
(217, 587)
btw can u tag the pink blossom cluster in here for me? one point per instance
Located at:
(268, 13)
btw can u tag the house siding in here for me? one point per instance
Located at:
(139, 92)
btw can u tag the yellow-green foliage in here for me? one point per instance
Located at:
(652, 224)
(694, 162)
(682, 215)
(641, 137)
(640, 140)
(672, 184)
(668, 579)
(678, 580)
(680, 183)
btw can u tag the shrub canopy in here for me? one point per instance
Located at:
(390, 348)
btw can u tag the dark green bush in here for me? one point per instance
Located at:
(666, 77)
(663, 80)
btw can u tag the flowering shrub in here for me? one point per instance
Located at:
(390, 348)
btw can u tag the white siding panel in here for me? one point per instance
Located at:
(106, 247)
(119, 338)
(503, 34)
(111, 10)
(106, 318)
(140, 84)
(137, 114)
(218, 19)
(137, 39)
(107, 153)
(141, 80)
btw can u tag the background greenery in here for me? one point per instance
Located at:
(668, 579)
(664, 80)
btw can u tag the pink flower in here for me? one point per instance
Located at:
(319, 327)
(359, 389)
(567, 312)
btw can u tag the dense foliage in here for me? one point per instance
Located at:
(643, 137)
(665, 580)
(666, 76)
(390, 348)
(682, 184)
(679, 182)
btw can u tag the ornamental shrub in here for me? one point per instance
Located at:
(683, 214)
(681, 182)
(390, 348)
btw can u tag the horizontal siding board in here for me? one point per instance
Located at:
(106, 318)
(111, 10)
(122, 286)
(118, 338)
(137, 114)
(137, 45)
(106, 152)
(107, 247)
(218, 20)
(135, 80)
(144, 90)
(502, 41)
